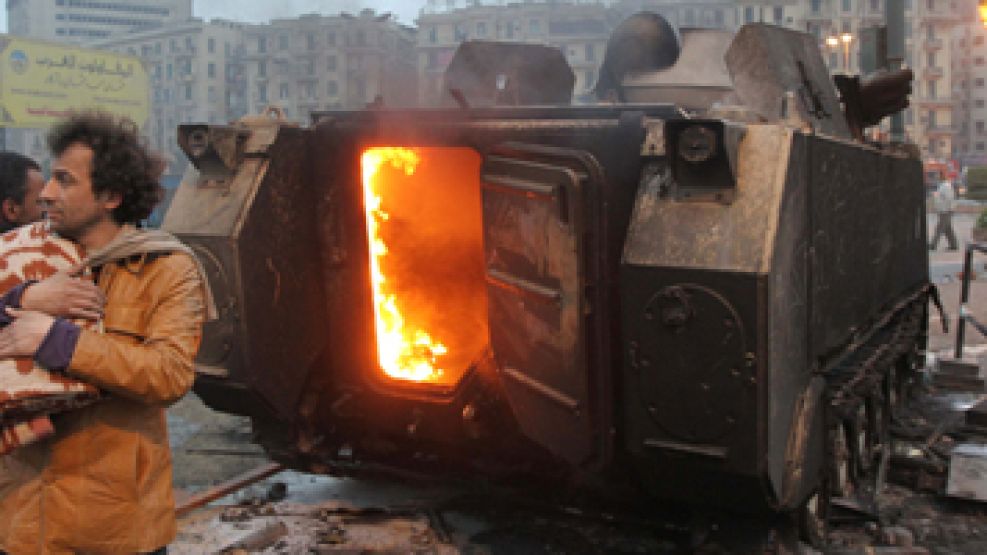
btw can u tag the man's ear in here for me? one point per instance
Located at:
(111, 200)
(11, 210)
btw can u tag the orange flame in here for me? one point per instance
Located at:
(404, 352)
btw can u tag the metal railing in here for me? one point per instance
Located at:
(965, 314)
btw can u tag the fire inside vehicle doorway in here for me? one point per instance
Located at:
(424, 226)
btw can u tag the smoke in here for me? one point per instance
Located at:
(260, 11)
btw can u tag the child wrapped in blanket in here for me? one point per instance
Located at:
(29, 393)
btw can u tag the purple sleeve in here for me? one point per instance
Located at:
(12, 299)
(55, 351)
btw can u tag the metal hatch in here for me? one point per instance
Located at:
(534, 247)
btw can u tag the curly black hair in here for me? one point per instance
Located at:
(13, 175)
(121, 162)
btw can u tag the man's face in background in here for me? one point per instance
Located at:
(30, 209)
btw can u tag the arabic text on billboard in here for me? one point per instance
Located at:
(42, 82)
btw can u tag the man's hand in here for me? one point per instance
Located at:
(64, 296)
(24, 335)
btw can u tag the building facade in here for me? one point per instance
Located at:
(84, 21)
(578, 29)
(969, 44)
(196, 75)
(319, 62)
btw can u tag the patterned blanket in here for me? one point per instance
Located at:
(29, 394)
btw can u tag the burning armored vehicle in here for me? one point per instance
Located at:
(711, 293)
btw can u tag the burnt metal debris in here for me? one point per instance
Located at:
(717, 310)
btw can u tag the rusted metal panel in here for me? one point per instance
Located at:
(533, 224)
(766, 62)
(712, 235)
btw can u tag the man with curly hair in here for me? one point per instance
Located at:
(102, 482)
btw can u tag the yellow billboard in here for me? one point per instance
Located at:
(42, 82)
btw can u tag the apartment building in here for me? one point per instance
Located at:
(84, 21)
(196, 75)
(970, 92)
(319, 62)
(579, 29)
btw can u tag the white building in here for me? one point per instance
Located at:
(195, 74)
(83, 21)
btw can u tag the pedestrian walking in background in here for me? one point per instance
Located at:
(944, 203)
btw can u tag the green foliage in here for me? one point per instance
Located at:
(976, 184)
(982, 219)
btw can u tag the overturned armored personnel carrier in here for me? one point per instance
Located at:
(714, 303)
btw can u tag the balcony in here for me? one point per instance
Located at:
(939, 15)
(932, 73)
(927, 102)
(939, 130)
(822, 15)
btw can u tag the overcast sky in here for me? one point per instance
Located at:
(263, 10)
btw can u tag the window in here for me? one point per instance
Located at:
(283, 92)
(432, 61)
(283, 41)
(481, 29)
(590, 52)
(188, 92)
(846, 26)
(262, 69)
(212, 93)
(331, 63)
(932, 89)
(978, 61)
(331, 38)
(689, 17)
(979, 103)
(262, 44)
(779, 14)
(718, 18)
(168, 71)
(361, 37)
(748, 14)
(977, 40)
(815, 6)
(262, 92)
(875, 6)
(433, 35)
(534, 26)
(211, 70)
(332, 88)
(310, 41)
(979, 82)
(211, 45)
(847, 5)
(931, 60)
(980, 127)
(157, 48)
